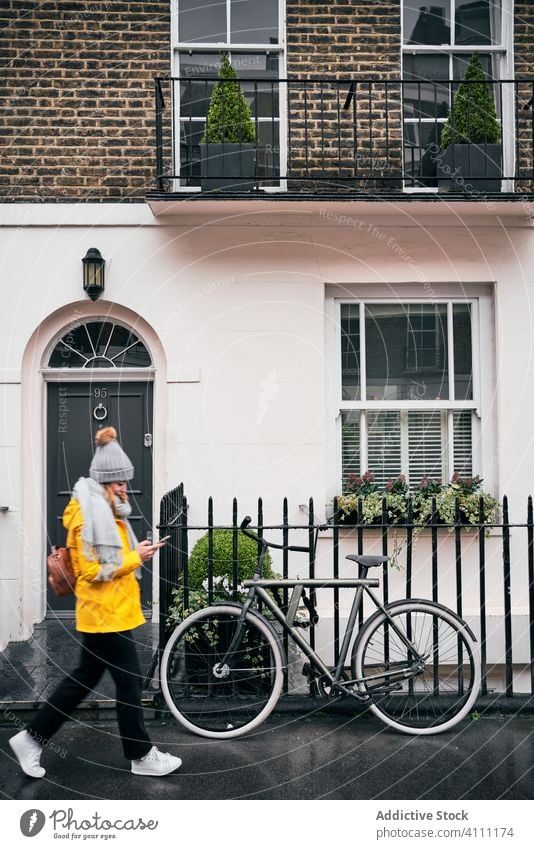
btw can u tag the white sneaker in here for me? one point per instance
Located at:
(28, 753)
(156, 763)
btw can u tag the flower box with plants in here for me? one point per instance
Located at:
(227, 147)
(400, 504)
(470, 159)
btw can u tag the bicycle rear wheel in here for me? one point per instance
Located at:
(447, 686)
(221, 702)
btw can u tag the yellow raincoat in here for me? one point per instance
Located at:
(103, 606)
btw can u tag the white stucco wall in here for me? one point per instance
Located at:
(234, 297)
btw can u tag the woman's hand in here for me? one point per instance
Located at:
(146, 550)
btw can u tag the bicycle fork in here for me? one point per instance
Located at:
(222, 669)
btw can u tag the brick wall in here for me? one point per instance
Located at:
(524, 68)
(351, 38)
(78, 94)
(523, 38)
(348, 39)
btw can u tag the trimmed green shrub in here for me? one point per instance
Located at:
(229, 118)
(473, 119)
(247, 558)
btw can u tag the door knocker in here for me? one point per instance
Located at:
(100, 413)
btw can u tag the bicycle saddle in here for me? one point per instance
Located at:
(368, 560)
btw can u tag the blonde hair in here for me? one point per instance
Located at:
(109, 495)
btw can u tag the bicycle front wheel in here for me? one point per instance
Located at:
(220, 699)
(446, 686)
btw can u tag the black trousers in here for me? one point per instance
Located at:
(116, 652)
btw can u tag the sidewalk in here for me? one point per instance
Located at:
(305, 753)
(313, 756)
(30, 670)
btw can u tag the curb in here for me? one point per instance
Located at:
(103, 710)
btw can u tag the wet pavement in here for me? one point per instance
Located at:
(30, 670)
(314, 756)
(303, 753)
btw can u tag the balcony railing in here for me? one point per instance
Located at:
(345, 136)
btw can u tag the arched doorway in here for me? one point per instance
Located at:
(99, 372)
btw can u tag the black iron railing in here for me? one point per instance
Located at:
(345, 135)
(483, 571)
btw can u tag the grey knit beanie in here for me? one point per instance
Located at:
(110, 463)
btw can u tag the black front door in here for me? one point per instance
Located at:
(75, 412)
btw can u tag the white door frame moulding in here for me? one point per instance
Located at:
(34, 375)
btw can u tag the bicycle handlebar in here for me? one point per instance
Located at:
(246, 522)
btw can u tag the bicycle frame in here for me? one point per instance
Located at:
(258, 589)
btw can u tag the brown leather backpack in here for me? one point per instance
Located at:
(60, 572)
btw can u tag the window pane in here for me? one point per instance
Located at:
(258, 65)
(421, 144)
(63, 357)
(97, 343)
(268, 153)
(195, 98)
(190, 136)
(463, 356)
(426, 445)
(423, 433)
(78, 339)
(384, 445)
(478, 22)
(463, 443)
(425, 99)
(254, 21)
(261, 94)
(350, 352)
(197, 65)
(202, 20)
(460, 61)
(100, 333)
(350, 445)
(406, 352)
(125, 349)
(426, 24)
(136, 356)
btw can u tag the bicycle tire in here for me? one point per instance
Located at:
(444, 692)
(229, 706)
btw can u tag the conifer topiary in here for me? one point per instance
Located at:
(229, 119)
(473, 119)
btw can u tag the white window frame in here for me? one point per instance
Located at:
(505, 51)
(483, 350)
(214, 47)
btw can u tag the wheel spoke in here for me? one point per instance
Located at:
(216, 692)
(443, 691)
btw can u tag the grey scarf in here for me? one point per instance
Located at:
(100, 535)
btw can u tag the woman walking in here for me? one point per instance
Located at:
(106, 557)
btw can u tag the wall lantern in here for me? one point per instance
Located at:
(93, 273)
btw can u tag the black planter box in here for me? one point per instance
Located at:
(458, 164)
(227, 167)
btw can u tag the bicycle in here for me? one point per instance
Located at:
(414, 663)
